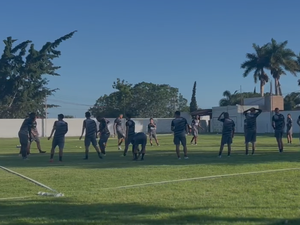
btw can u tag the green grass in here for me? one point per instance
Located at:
(265, 198)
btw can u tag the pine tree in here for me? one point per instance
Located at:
(193, 104)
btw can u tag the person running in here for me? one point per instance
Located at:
(104, 134)
(180, 128)
(60, 127)
(195, 125)
(251, 115)
(119, 131)
(35, 137)
(90, 128)
(152, 132)
(227, 132)
(139, 139)
(130, 132)
(25, 135)
(278, 124)
(289, 128)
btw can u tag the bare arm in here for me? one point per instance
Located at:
(273, 123)
(83, 129)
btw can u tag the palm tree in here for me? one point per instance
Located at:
(257, 61)
(281, 60)
(292, 101)
(229, 99)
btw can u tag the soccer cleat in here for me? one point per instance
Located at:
(119, 148)
(186, 157)
(220, 156)
(42, 152)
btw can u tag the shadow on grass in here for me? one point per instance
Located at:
(66, 212)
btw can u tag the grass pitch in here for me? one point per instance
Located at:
(92, 196)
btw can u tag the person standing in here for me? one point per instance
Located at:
(35, 137)
(227, 132)
(119, 130)
(180, 128)
(90, 128)
(278, 124)
(104, 134)
(195, 125)
(60, 127)
(25, 135)
(152, 132)
(289, 128)
(251, 115)
(130, 132)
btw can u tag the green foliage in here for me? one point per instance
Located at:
(292, 101)
(236, 97)
(141, 100)
(23, 85)
(193, 104)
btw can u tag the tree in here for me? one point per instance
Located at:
(182, 104)
(235, 98)
(258, 62)
(23, 85)
(292, 101)
(193, 104)
(281, 60)
(141, 100)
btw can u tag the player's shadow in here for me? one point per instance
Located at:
(64, 212)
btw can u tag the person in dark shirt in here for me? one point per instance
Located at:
(245, 129)
(25, 135)
(278, 124)
(227, 132)
(89, 127)
(60, 127)
(251, 115)
(180, 128)
(152, 132)
(195, 125)
(119, 130)
(104, 134)
(130, 132)
(139, 139)
(289, 128)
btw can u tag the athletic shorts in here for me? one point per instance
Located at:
(289, 131)
(278, 134)
(104, 138)
(226, 139)
(90, 139)
(195, 132)
(120, 133)
(180, 139)
(152, 135)
(250, 136)
(58, 142)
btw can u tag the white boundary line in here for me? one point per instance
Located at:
(199, 178)
(12, 198)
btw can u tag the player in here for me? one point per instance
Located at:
(227, 132)
(139, 139)
(278, 124)
(130, 132)
(251, 127)
(152, 132)
(60, 127)
(195, 125)
(104, 134)
(180, 128)
(119, 131)
(90, 128)
(289, 128)
(245, 129)
(25, 135)
(35, 137)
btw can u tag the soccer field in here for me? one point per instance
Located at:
(259, 189)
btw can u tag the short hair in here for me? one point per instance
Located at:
(276, 109)
(288, 114)
(128, 115)
(87, 114)
(151, 118)
(32, 115)
(177, 113)
(226, 115)
(61, 116)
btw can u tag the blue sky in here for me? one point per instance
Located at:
(161, 41)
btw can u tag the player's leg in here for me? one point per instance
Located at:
(196, 137)
(127, 143)
(54, 144)
(150, 138)
(24, 145)
(120, 139)
(106, 137)
(38, 145)
(143, 151)
(176, 142)
(193, 138)
(29, 147)
(222, 145)
(229, 142)
(94, 143)
(253, 141)
(291, 136)
(281, 141)
(87, 142)
(247, 140)
(61, 145)
(156, 139)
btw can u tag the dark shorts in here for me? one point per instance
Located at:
(58, 142)
(250, 136)
(226, 139)
(23, 138)
(104, 138)
(195, 132)
(180, 139)
(152, 135)
(289, 131)
(278, 134)
(120, 133)
(129, 140)
(140, 139)
(90, 139)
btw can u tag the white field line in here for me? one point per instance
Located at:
(199, 178)
(12, 198)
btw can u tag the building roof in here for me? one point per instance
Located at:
(202, 112)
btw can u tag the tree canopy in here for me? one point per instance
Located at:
(235, 98)
(193, 104)
(142, 100)
(23, 81)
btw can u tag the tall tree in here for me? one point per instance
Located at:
(193, 104)
(231, 99)
(257, 62)
(292, 101)
(281, 60)
(23, 84)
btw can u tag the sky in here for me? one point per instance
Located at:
(172, 42)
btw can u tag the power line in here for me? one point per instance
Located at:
(69, 103)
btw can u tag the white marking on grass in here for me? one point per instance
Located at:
(199, 178)
(12, 198)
